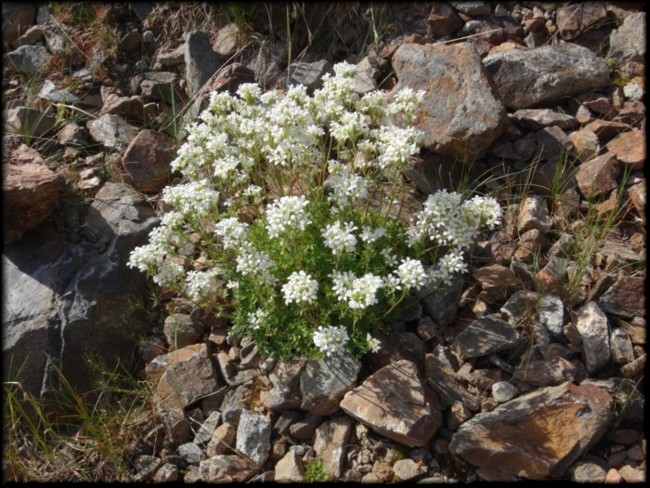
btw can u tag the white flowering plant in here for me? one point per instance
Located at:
(291, 220)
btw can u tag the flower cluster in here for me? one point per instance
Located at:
(295, 203)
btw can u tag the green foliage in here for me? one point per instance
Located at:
(315, 472)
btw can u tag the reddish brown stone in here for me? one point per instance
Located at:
(29, 187)
(629, 148)
(597, 176)
(147, 160)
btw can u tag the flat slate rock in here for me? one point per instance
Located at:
(485, 336)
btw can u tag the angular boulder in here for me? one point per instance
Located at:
(531, 77)
(29, 189)
(537, 435)
(392, 402)
(71, 302)
(461, 116)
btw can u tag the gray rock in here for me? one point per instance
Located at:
(538, 118)
(73, 135)
(441, 302)
(146, 466)
(254, 436)
(622, 351)
(529, 77)
(397, 346)
(459, 105)
(587, 472)
(269, 62)
(201, 62)
(502, 391)
(29, 123)
(485, 336)
(553, 144)
(228, 39)
(309, 74)
(393, 403)
(191, 453)
(173, 58)
(112, 131)
(551, 314)
(167, 473)
(324, 382)
(285, 394)
(628, 42)
(50, 93)
(472, 9)
(302, 430)
(209, 425)
(592, 324)
(567, 419)
(27, 59)
(331, 444)
(86, 312)
(180, 331)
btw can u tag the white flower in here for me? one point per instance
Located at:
(349, 127)
(300, 288)
(256, 264)
(342, 284)
(373, 343)
(340, 238)
(250, 92)
(412, 274)
(232, 285)
(287, 213)
(196, 198)
(169, 273)
(347, 187)
(258, 318)
(405, 102)
(331, 340)
(232, 231)
(389, 257)
(363, 292)
(369, 235)
(198, 284)
(395, 146)
(482, 211)
(450, 264)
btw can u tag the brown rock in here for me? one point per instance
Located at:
(183, 376)
(585, 144)
(147, 160)
(222, 440)
(331, 444)
(497, 281)
(392, 403)
(631, 474)
(533, 214)
(443, 20)
(602, 106)
(598, 176)
(289, 469)
(626, 297)
(613, 477)
(546, 372)
(637, 194)
(629, 148)
(29, 188)
(227, 468)
(459, 105)
(573, 20)
(28, 122)
(536, 435)
(607, 129)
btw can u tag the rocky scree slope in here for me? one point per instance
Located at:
(531, 367)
